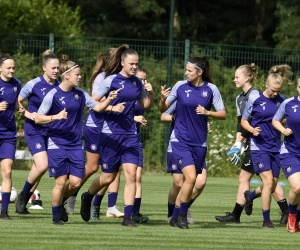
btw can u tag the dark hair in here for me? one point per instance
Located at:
(203, 64)
(249, 70)
(141, 69)
(65, 64)
(101, 64)
(119, 55)
(48, 55)
(4, 57)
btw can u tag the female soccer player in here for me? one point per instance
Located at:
(188, 139)
(265, 140)
(63, 108)
(244, 77)
(120, 143)
(36, 135)
(290, 154)
(9, 90)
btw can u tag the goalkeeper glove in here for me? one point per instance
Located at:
(236, 151)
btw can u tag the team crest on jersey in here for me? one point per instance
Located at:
(38, 145)
(204, 93)
(122, 84)
(93, 147)
(105, 166)
(295, 108)
(260, 165)
(188, 92)
(180, 161)
(278, 104)
(76, 96)
(2, 91)
(134, 84)
(263, 105)
(289, 169)
(15, 89)
(53, 170)
(43, 91)
(62, 100)
(174, 166)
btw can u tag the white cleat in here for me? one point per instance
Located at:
(114, 212)
(190, 220)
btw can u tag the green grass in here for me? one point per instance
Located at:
(35, 231)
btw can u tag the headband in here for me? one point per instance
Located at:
(197, 67)
(69, 69)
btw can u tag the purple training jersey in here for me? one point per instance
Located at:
(290, 109)
(66, 133)
(9, 92)
(262, 110)
(190, 127)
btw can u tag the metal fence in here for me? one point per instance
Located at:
(154, 55)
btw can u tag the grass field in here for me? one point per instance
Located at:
(35, 231)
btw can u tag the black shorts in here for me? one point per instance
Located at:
(247, 164)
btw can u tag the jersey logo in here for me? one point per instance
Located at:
(38, 145)
(247, 164)
(278, 104)
(263, 105)
(295, 108)
(62, 100)
(204, 94)
(174, 166)
(53, 170)
(289, 169)
(105, 166)
(43, 90)
(2, 91)
(134, 84)
(15, 89)
(93, 147)
(188, 92)
(76, 96)
(260, 165)
(122, 84)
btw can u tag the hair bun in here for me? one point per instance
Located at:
(64, 58)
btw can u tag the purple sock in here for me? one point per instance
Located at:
(293, 208)
(136, 206)
(88, 196)
(298, 216)
(5, 201)
(128, 211)
(184, 206)
(56, 212)
(97, 200)
(112, 199)
(266, 215)
(170, 209)
(27, 187)
(252, 196)
(191, 202)
(176, 212)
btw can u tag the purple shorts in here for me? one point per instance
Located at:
(118, 149)
(290, 164)
(264, 161)
(91, 140)
(8, 148)
(66, 161)
(186, 155)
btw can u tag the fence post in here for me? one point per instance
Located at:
(187, 46)
(51, 42)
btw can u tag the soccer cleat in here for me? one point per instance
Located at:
(268, 224)
(182, 221)
(139, 218)
(21, 204)
(95, 212)
(127, 223)
(70, 204)
(4, 215)
(229, 217)
(57, 222)
(249, 204)
(292, 226)
(190, 220)
(63, 214)
(85, 209)
(284, 218)
(168, 219)
(173, 222)
(114, 212)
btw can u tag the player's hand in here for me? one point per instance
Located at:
(200, 110)
(140, 119)
(119, 108)
(62, 115)
(164, 93)
(3, 106)
(21, 110)
(256, 131)
(114, 94)
(287, 131)
(148, 86)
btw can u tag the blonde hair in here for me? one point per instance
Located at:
(249, 70)
(65, 64)
(48, 55)
(280, 73)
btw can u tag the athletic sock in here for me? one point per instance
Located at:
(252, 196)
(97, 200)
(5, 200)
(27, 187)
(136, 206)
(112, 199)
(176, 212)
(284, 207)
(128, 211)
(238, 209)
(298, 216)
(184, 206)
(266, 215)
(170, 209)
(293, 208)
(56, 212)
(88, 196)
(191, 202)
